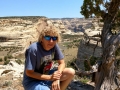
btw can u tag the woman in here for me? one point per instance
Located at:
(41, 56)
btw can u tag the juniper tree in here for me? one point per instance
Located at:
(109, 12)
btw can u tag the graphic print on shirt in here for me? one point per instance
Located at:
(47, 64)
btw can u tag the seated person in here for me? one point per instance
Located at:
(40, 72)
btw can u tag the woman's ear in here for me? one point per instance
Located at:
(41, 39)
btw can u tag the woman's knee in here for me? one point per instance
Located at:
(70, 71)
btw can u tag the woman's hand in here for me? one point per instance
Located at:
(56, 76)
(55, 85)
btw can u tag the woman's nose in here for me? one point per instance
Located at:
(51, 40)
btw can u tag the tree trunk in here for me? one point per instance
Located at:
(106, 78)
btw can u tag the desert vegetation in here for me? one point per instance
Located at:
(6, 54)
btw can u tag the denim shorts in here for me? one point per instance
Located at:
(39, 84)
(35, 85)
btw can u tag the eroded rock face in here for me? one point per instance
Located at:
(17, 31)
(20, 33)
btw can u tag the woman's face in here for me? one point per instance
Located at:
(49, 41)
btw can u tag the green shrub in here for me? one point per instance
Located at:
(6, 62)
(5, 58)
(7, 83)
(84, 79)
(18, 61)
(1, 60)
(70, 63)
(117, 53)
(93, 60)
(9, 56)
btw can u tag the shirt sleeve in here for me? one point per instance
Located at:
(58, 53)
(30, 62)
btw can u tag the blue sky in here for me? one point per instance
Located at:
(48, 8)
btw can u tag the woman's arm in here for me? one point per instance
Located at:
(36, 75)
(61, 65)
(39, 76)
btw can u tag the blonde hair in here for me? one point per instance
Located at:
(47, 30)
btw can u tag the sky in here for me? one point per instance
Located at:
(47, 8)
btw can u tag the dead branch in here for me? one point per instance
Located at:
(95, 47)
(94, 68)
(76, 66)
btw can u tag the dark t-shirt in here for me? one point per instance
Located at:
(40, 60)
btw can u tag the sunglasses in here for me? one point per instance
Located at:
(49, 38)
